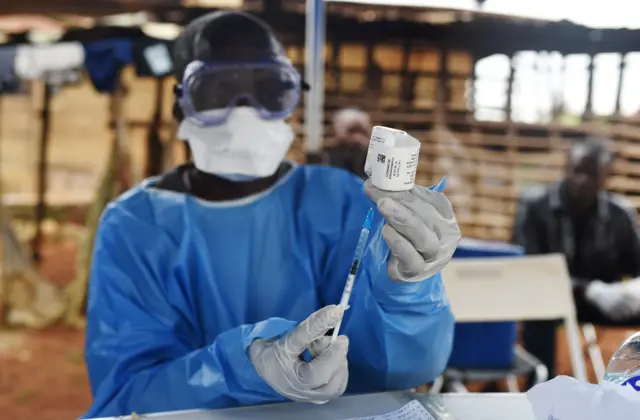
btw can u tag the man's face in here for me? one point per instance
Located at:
(585, 177)
(356, 133)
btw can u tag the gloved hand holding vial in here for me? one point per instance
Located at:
(422, 232)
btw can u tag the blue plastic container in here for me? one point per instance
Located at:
(484, 345)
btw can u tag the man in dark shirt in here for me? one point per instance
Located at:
(596, 231)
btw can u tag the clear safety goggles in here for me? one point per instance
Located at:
(210, 90)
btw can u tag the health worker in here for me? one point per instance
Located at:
(215, 285)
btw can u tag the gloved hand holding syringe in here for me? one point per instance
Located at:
(346, 293)
(421, 233)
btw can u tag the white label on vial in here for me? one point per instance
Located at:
(393, 168)
(380, 136)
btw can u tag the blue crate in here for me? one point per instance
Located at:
(484, 345)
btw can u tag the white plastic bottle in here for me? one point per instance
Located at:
(624, 367)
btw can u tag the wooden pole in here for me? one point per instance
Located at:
(623, 62)
(337, 69)
(511, 135)
(169, 155)
(41, 206)
(473, 89)
(155, 149)
(335, 64)
(509, 92)
(373, 76)
(558, 96)
(442, 89)
(124, 177)
(3, 255)
(588, 109)
(406, 94)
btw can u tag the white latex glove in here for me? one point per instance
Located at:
(279, 361)
(422, 232)
(614, 300)
(632, 294)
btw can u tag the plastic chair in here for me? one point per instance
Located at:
(529, 288)
(469, 344)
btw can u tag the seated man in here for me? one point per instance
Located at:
(210, 283)
(596, 231)
(352, 129)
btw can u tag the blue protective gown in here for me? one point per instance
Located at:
(181, 287)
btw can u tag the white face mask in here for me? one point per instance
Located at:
(245, 147)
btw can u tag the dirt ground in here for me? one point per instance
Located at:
(42, 372)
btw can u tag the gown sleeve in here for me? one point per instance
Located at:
(400, 334)
(143, 348)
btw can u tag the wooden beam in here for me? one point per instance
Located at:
(484, 35)
(85, 8)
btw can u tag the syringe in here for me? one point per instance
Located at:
(348, 287)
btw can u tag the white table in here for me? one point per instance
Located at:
(458, 407)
